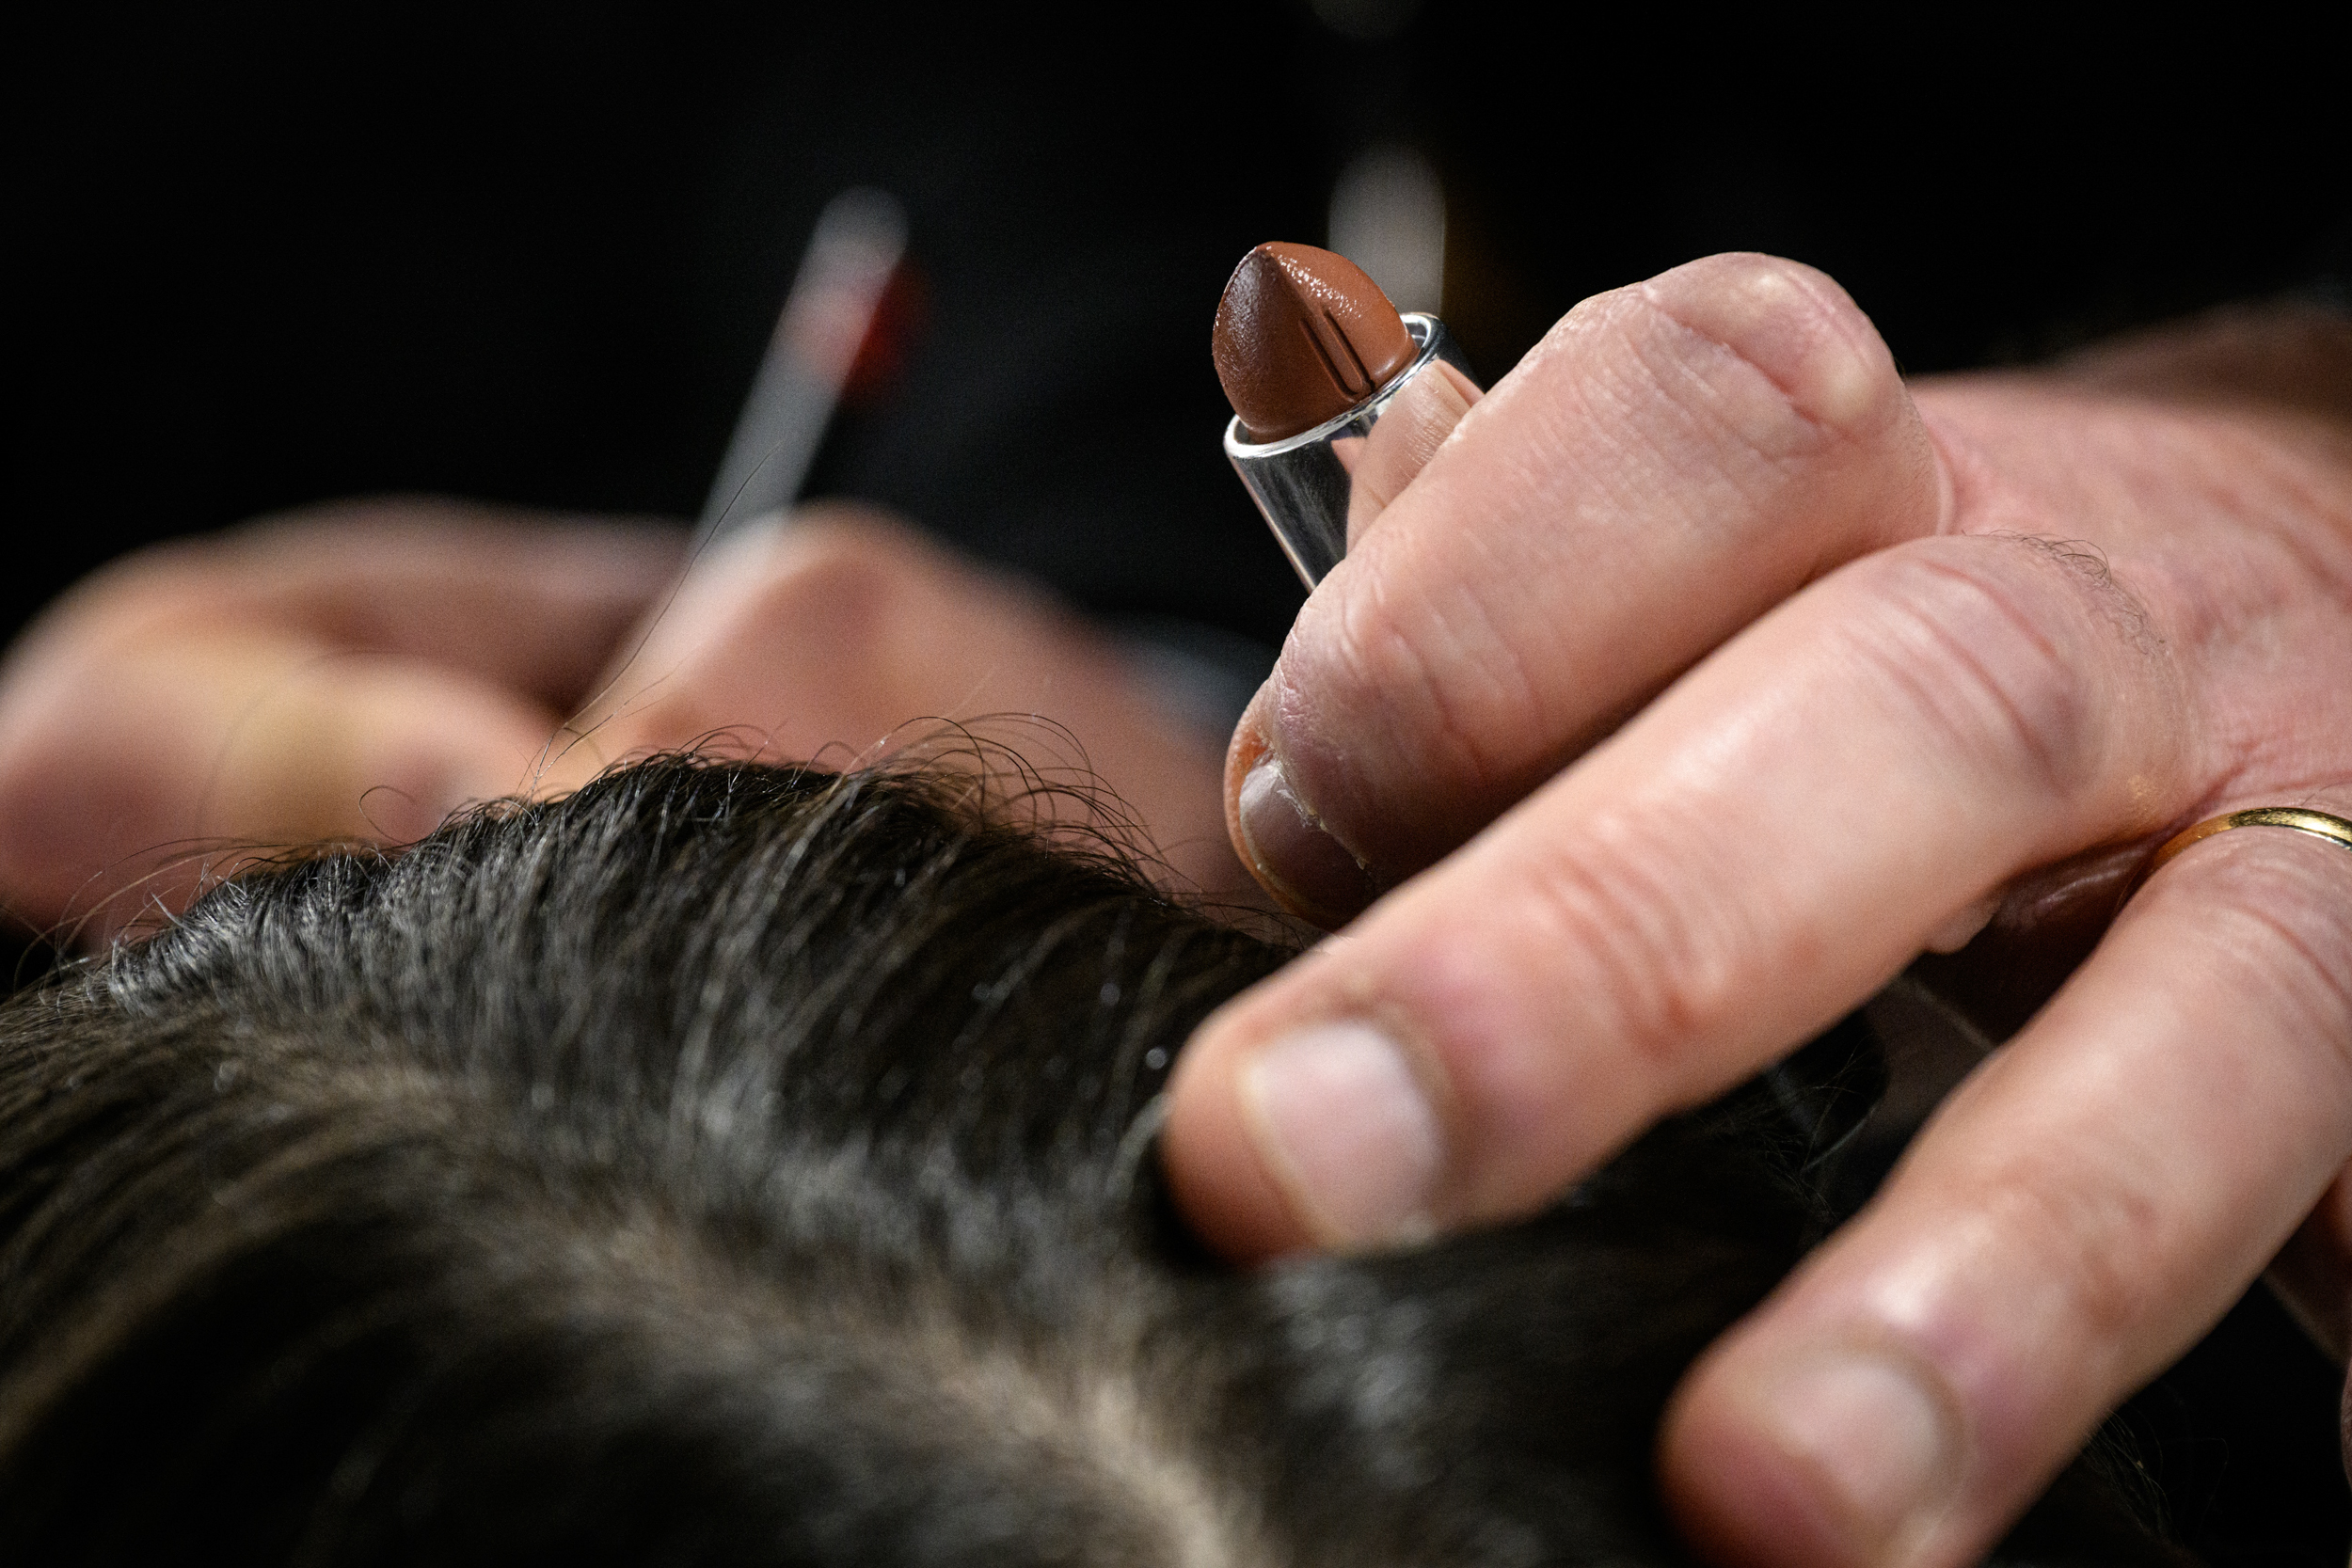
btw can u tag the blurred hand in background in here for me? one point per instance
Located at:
(360, 671)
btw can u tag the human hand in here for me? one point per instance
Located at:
(358, 671)
(1703, 678)
(843, 636)
(353, 671)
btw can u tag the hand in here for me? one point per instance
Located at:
(1704, 677)
(360, 670)
(846, 637)
(350, 672)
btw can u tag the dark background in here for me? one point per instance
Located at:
(269, 256)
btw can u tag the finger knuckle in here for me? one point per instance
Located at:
(1981, 651)
(2091, 1243)
(1660, 966)
(2283, 912)
(1448, 694)
(1736, 319)
(842, 582)
(1480, 695)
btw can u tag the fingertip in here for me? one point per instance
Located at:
(1465, 393)
(1729, 1492)
(1833, 1457)
(1420, 420)
(1214, 1171)
(1294, 855)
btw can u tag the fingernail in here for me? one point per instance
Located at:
(1301, 864)
(1341, 1118)
(1878, 1441)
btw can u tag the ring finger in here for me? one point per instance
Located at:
(2086, 1205)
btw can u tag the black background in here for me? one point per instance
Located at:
(270, 255)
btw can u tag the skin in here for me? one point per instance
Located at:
(1706, 675)
(360, 671)
(353, 672)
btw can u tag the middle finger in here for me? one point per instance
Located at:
(1763, 846)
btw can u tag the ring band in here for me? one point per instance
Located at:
(2317, 824)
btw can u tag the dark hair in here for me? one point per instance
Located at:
(749, 1165)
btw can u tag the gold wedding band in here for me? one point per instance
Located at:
(2318, 824)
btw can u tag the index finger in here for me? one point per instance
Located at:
(1562, 556)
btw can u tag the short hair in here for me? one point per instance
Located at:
(731, 1163)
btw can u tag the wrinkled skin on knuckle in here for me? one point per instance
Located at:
(1556, 1045)
(2000, 656)
(2076, 1257)
(1700, 396)
(1383, 722)
(2282, 920)
(2232, 551)
(1706, 441)
(2265, 623)
(1661, 971)
(1409, 733)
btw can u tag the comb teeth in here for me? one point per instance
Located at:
(1302, 336)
